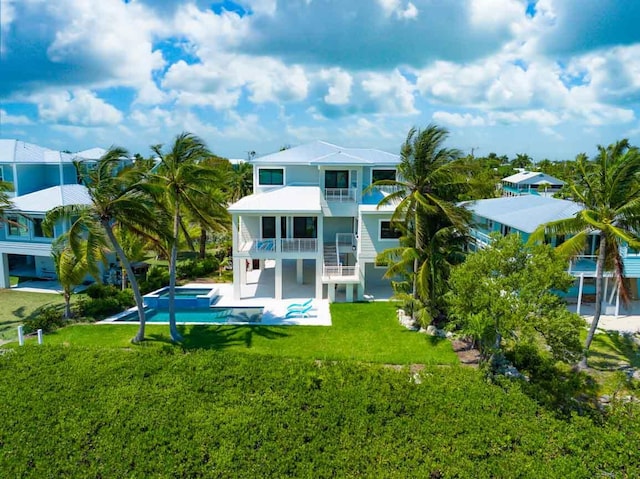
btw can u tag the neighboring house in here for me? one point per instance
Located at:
(523, 214)
(309, 211)
(531, 183)
(42, 179)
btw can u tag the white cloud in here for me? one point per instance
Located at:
(340, 86)
(392, 93)
(458, 119)
(80, 107)
(7, 16)
(7, 119)
(494, 13)
(407, 11)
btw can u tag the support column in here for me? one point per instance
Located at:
(237, 278)
(278, 247)
(5, 280)
(617, 303)
(360, 293)
(318, 278)
(349, 293)
(580, 288)
(299, 270)
(331, 292)
(278, 279)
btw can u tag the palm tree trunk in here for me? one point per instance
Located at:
(599, 293)
(173, 330)
(203, 241)
(123, 280)
(134, 282)
(67, 304)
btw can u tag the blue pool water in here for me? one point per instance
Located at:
(187, 292)
(215, 315)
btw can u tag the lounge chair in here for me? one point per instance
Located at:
(300, 305)
(298, 312)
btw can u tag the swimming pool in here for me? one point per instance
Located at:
(213, 315)
(185, 298)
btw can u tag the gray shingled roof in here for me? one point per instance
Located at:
(524, 213)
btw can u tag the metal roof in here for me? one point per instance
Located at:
(323, 153)
(16, 151)
(532, 178)
(524, 213)
(287, 199)
(44, 200)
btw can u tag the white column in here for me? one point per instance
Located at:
(617, 303)
(278, 279)
(5, 280)
(278, 235)
(320, 235)
(360, 293)
(349, 293)
(299, 270)
(580, 288)
(261, 265)
(331, 292)
(237, 278)
(318, 278)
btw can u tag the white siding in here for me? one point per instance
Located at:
(370, 243)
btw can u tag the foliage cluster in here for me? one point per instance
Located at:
(157, 277)
(103, 300)
(503, 295)
(117, 413)
(48, 317)
(196, 267)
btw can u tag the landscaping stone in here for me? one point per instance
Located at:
(432, 330)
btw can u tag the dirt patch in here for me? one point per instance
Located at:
(467, 354)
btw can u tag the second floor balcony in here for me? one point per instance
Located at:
(341, 194)
(272, 245)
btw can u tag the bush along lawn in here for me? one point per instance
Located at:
(76, 412)
(366, 332)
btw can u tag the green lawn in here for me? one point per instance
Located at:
(363, 331)
(16, 306)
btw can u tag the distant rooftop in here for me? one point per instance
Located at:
(524, 213)
(17, 151)
(533, 178)
(323, 153)
(42, 201)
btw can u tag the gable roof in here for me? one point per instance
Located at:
(287, 199)
(323, 153)
(44, 200)
(524, 213)
(533, 178)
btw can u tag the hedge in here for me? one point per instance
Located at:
(72, 412)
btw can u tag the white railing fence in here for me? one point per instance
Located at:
(340, 194)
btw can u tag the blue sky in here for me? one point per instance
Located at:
(550, 78)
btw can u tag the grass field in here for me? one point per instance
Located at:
(363, 331)
(15, 306)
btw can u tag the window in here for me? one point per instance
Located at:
(380, 175)
(271, 176)
(305, 227)
(336, 179)
(269, 227)
(388, 231)
(37, 228)
(17, 226)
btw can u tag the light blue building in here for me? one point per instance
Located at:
(42, 179)
(531, 183)
(524, 214)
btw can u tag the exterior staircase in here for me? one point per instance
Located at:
(330, 254)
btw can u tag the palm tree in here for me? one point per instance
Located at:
(186, 182)
(241, 181)
(431, 179)
(608, 188)
(118, 195)
(70, 270)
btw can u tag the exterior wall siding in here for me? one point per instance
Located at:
(334, 225)
(370, 242)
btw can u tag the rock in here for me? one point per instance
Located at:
(441, 333)
(636, 375)
(605, 399)
(431, 330)
(449, 334)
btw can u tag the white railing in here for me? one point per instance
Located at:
(340, 271)
(346, 241)
(296, 245)
(340, 194)
(482, 238)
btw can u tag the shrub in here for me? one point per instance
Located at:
(196, 267)
(97, 290)
(157, 277)
(48, 318)
(102, 301)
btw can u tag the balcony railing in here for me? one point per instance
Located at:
(482, 239)
(340, 271)
(340, 194)
(299, 245)
(287, 245)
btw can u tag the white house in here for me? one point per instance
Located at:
(531, 183)
(311, 212)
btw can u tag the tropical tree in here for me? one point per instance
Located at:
(241, 181)
(608, 188)
(70, 270)
(186, 181)
(118, 194)
(431, 178)
(522, 160)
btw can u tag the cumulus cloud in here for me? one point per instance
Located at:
(80, 107)
(458, 119)
(392, 93)
(7, 119)
(396, 8)
(339, 85)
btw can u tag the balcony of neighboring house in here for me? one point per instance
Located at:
(481, 238)
(340, 186)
